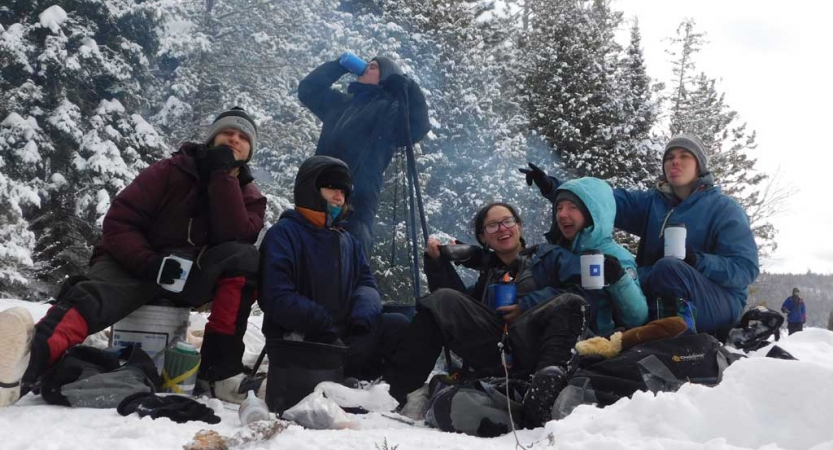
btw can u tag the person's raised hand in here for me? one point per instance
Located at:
(535, 175)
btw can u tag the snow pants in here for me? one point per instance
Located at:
(225, 274)
(540, 337)
(716, 309)
(369, 352)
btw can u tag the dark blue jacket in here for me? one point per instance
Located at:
(314, 276)
(717, 230)
(364, 126)
(314, 279)
(795, 309)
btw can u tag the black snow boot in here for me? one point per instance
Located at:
(537, 405)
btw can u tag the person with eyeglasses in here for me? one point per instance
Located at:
(542, 327)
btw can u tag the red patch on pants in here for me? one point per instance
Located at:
(226, 306)
(71, 330)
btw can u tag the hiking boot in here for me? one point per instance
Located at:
(16, 331)
(546, 384)
(234, 389)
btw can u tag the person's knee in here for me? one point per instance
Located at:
(669, 266)
(443, 300)
(394, 321)
(246, 255)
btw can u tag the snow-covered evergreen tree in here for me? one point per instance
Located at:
(72, 83)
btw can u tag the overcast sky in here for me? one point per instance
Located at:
(774, 61)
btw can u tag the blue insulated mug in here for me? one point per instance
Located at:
(352, 63)
(502, 294)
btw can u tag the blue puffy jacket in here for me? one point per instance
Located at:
(717, 230)
(795, 309)
(314, 275)
(362, 128)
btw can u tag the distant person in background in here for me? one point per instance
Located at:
(382, 110)
(796, 312)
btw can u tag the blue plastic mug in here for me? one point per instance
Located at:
(352, 63)
(502, 294)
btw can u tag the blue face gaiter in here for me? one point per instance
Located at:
(335, 211)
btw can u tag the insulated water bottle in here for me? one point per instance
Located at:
(179, 375)
(352, 63)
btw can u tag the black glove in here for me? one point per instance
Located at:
(175, 407)
(395, 83)
(217, 158)
(538, 176)
(690, 256)
(171, 271)
(613, 269)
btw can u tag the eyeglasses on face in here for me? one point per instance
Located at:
(493, 227)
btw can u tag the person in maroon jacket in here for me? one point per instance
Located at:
(199, 204)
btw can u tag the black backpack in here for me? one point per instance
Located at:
(662, 365)
(477, 407)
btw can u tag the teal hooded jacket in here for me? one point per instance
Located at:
(625, 296)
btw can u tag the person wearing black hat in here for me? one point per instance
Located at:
(796, 311)
(200, 205)
(381, 111)
(315, 279)
(709, 285)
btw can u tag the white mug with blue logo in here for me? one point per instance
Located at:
(592, 270)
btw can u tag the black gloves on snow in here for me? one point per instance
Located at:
(395, 83)
(217, 158)
(537, 176)
(613, 269)
(171, 271)
(175, 407)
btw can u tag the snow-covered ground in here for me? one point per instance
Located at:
(762, 403)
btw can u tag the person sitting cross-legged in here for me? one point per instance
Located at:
(541, 327)
(315, 279)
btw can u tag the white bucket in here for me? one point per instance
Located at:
(154, 329)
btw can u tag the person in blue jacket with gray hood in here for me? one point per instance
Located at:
(721, 258)
(315, 280)
(381, 111)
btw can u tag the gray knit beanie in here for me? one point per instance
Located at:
(387, 67)
(237, 119)
(693, 145)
